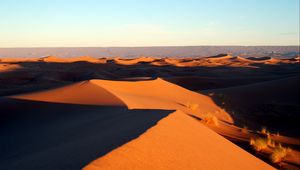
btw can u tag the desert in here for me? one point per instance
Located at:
(149, 112)
(149, 85)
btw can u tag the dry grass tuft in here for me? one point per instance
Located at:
(264, 130)
(259, 144)
(271, 143)
(192, 106)
(211, 119)
(279, 154)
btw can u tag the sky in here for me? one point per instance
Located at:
(107, 23)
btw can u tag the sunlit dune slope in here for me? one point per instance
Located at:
(149, 94)
(54, 59)
(178, 142)
(79, 93)
(9, 67)
(133, 61)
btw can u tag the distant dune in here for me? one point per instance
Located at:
(176, 51)
(9, 67)
(214, 61)
(28, 74)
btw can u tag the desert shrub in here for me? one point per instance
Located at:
(211, 119)
(259, 144)
(279, 153)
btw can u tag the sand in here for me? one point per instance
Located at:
(139, 122)
(251, 102)
(78, 93)
(149, 94)
(42, 135)
(178, 142)
(9, 67)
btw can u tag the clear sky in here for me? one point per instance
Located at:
(71, 23)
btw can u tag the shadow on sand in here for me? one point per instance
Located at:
(41, 135)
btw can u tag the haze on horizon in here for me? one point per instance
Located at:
(91, 23)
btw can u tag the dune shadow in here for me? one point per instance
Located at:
(41, 135)
(271, 104)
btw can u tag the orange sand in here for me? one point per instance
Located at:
(73, 59)
(227, 60)
(9, 67)
(78, 93)
(133, 61)
(149, 94)
(178, 142)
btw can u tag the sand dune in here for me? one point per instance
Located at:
(149, 94)
(222, 60)
(44, 135)
(9, 67)
(73, 59)
(249, 102)
(18, 59)
(78, 93)
(215, 61)
(133, 52)
(192, 138)
(178, 142)
(121, 61)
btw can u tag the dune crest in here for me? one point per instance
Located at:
(53, 59)
(196, 147)
(134, 61)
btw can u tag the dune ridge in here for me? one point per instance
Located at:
(73, 59)
(149, 94)
(160, 94)
(157, 149)
(214, 61)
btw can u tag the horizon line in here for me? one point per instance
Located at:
(153, 46)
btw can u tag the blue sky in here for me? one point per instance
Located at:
(63, 23)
